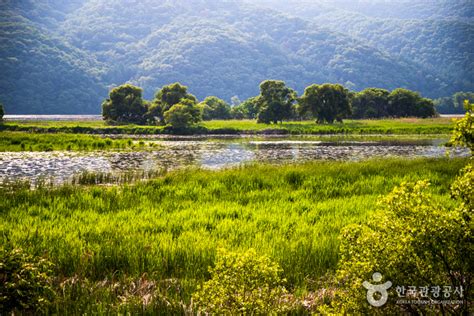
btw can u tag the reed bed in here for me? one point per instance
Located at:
(166, 230)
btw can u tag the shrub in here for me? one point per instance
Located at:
(25, 282)
(413, 242)
(242, 283)
(463, 134)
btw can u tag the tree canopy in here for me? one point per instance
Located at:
(404, 103)
(246, 110)
(275, 102)
(453, 104)
(327, 102)
(125, 104)
(370, 103)
(172, 94)
(215, 108)
(182, 114)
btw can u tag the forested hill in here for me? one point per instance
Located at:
(436, 35)
(61, 57)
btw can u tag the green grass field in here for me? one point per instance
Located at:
(105, 240)
(23, 141)
(385, 126)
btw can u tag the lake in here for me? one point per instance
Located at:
(215, 153)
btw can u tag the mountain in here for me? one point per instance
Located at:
(71, 52)
(43, 74)
(438, 36)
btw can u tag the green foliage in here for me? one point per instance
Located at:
(406, 103)
(413, 241)
(453, 104)
(463, 190)
(370, 103)
(183, 114)
(21, 141)
(402, 126)
(124, 105)
(327, 102)
(246, 283)
(246, 110)
(154, 114)
(41, 72)
(275, 102)
(435, 37)
(152, 43)
(2, 112)
(26, 282)
(214, 108)
(168, 229)
(463, 134)
(172, 94)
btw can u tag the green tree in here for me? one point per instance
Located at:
(183, 115)
(326, 103)
(154, 114)
(2, 112)
(370, 103)
(275, 102)
(425, 108)
(405, 103)
(125, 105)
(172, 94)
(242, 283)
(460, 97)
(246, 110)
(453, 104)
(214, 108)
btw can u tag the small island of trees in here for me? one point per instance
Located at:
(174, 106)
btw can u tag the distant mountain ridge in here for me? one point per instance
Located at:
(69, 53)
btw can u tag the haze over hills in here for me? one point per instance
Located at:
(61, 57)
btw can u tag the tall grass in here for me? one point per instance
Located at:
(22, 141)
(169, 228)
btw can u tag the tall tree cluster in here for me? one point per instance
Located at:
(172, 105)
(453, 104)
(326, 103)
(378, 103)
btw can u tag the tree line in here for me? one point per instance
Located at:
(174, 105)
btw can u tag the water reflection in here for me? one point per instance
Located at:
(214, 154)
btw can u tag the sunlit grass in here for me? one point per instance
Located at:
(170, 227)
(384, 126)
(22, 141)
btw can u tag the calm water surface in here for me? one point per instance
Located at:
(214, 153)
